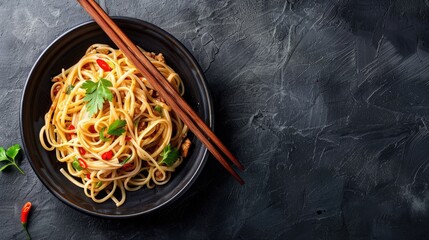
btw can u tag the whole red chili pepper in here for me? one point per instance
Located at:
(107, 155)
(103, 65)
(24, 217)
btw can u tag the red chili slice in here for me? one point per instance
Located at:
(127, 166)
(82, 151)
(127, 138)
(91, 129)
(107, 155)
(88, 176)
(103, 65)
(71, 127)
(82, 163)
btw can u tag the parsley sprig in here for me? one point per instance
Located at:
(9, 156)
(169, 155)
(96, 94)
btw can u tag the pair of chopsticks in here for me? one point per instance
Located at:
(161, 85)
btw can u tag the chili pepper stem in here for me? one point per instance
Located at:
(24, 225)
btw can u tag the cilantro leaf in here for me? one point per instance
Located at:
(102, 137)
(89, 86)
(96, 94)
(9, 155)
(13, 151)
(169, 155)
(117, 127)
(3, 156)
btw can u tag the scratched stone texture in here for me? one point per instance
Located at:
(325, 102)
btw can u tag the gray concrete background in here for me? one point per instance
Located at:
(325, 102)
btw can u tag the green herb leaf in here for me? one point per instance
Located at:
(136, 122)
(10, 156)
(99, 184)
(89, 86)
(3, 156)
(13, 151)
(169, 155)
(96, 94)
(11, 164)
(69, 89)
(102, 137)
(76, 165)
(117, 127)
(158, 109)
(125, 161)
(5, 166)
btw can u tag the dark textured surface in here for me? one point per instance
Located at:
(325, 102)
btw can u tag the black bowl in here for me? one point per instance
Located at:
(65, 51)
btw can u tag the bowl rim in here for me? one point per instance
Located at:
(202, 88)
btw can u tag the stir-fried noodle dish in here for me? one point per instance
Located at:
(111, 128)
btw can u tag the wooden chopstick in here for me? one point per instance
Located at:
(155, 78)
(154, 72)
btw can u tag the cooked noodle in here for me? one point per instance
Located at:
(150, 127)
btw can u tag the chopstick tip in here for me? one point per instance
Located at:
(241, 182)
(241, 167)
